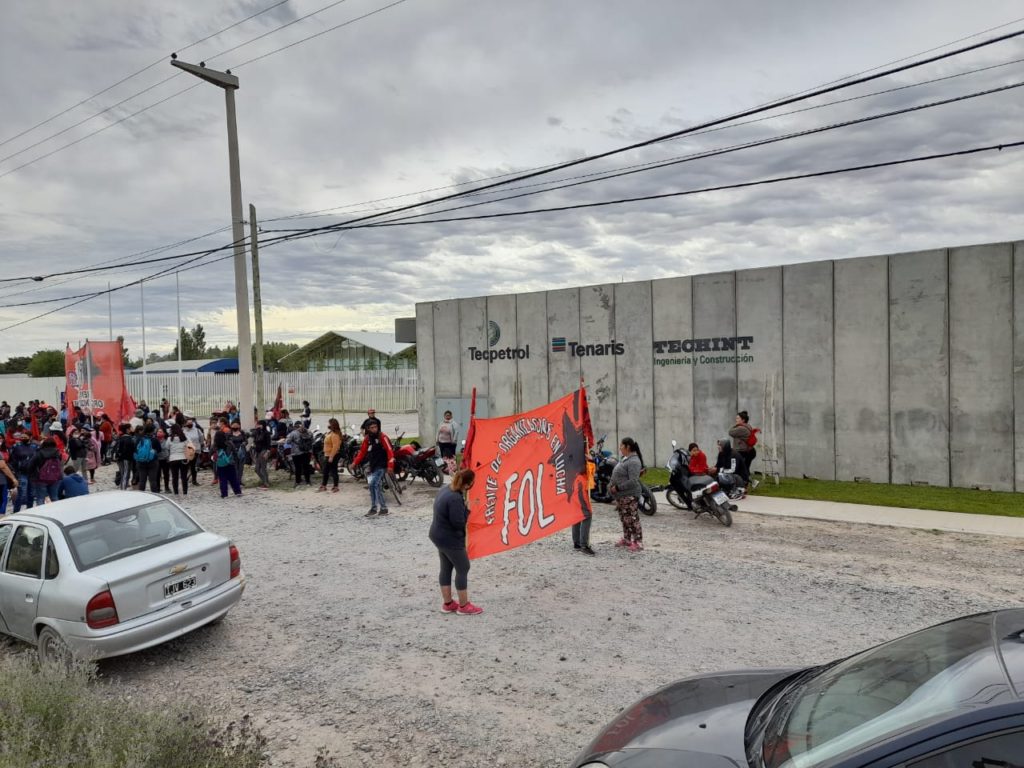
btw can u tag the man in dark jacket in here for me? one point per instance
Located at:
(731, 470)
(21, 463)
(380, 456)
(147, 462)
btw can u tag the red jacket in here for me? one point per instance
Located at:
(364, 449)
(698, 463)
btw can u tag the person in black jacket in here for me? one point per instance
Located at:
(731, 470)
(261, 442)
(147, 459)
(448, 533)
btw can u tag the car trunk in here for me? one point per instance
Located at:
(173, 573)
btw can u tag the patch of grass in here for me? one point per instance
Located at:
(64, 718)
(906, 496)
(880, 494)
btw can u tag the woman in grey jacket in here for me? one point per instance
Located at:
(625, 490)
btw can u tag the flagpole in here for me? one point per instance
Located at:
(142, 307)
(110, 315)
(88, 376)
(181, 383)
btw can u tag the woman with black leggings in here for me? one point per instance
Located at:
(448, 533)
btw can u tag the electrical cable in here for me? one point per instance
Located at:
(655, 165)
(687, 131)
(179, 93)
(139, 72)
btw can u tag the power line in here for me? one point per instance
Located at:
(179, 93)
(645, 167)
(686, 131)
(137, 73)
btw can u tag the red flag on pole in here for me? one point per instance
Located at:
(36, 434)
(531, 475)
(278, 403)
(470, 433)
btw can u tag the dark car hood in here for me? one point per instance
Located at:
(700, 719)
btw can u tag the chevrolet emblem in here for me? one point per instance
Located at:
(178, 569)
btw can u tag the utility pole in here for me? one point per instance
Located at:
(229, 83)
(181, 338)
(257, 305)
(142, 306)
(110, 314)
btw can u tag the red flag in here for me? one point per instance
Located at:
(36, 434)
(278, 403)
(470, 433)
(531, 475)
(95, 380)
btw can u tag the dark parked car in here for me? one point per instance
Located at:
(950, 696)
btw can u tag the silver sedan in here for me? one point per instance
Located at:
(111, 573)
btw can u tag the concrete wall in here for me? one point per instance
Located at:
(902, 368)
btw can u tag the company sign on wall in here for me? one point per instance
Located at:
(708, 351)
(490, 355)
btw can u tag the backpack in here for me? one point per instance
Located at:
(49, 472)
(144, 450)
(752, 438)
(223, 458)
(305, 443)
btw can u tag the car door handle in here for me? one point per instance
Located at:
(30, 598)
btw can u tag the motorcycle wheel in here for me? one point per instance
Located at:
(433, 476)
(673, 497)
(724, 515)
(648, 504)
(401, 473)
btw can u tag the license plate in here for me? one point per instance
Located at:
(720, 497)
(170, 590)
(438, 461)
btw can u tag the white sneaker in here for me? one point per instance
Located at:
(754, 483)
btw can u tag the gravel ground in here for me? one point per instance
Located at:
(339, 642)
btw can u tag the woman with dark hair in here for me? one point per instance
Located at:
(177, 460)
(741, 434)
(332, 454)
(731, 470)
(624, 488)
(448, 533)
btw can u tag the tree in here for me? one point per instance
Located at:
(16, 365)
(125, 360)
(46, 362)
(198, 342)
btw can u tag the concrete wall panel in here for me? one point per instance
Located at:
(672, 309)
(473, 333)
(502, 375)
(980, 370)
(634, 369)
(919, 367)
(532, 331)
(425, 373)
(862, 368)
(597, 327)
(1018, 363)
(714, 384)
(807, 319)
(759, 315)
(563, 309)
(448, 350)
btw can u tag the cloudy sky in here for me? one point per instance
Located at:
(432, 93)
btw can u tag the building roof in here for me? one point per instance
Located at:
(217, 365)
(382, 342)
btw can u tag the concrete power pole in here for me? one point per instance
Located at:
(257, 304)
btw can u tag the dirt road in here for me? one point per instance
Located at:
(339, 642)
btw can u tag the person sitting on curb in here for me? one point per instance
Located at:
(377, 447)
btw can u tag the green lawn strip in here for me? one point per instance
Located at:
(882, 495)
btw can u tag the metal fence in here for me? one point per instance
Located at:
(391, 391)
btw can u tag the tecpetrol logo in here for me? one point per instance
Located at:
(490, 355)
(493, 333)
(575, 349)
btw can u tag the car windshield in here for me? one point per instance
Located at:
(111, 537)
(883, 691)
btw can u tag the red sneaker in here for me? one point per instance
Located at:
(636, 546)
(450, 607)
(469, 610)
(621, 543)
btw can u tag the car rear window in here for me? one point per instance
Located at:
(111, 537)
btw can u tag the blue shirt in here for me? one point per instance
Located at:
(73, 485)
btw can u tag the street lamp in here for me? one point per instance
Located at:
(229, 83)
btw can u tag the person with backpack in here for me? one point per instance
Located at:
(45, 471)
(224, 464)
(147, 459)
(301, 440)
(194, 435)
(124, 454)
(744, 438)
(239, 441)
(261, 443)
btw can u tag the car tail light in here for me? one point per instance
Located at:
(101, 611)
(236, 561)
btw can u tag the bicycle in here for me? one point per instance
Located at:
(391, 483)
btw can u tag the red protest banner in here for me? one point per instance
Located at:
(531, 475)
(95, 380)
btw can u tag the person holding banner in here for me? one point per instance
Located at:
(625, 490)
(448, 534)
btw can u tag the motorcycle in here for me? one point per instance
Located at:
(604, 464)
(704, 492)
(412, 461)
(319, 459)
(349, 449)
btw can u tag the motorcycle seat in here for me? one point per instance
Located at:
(696, 482)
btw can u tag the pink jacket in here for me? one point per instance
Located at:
(92, 459)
